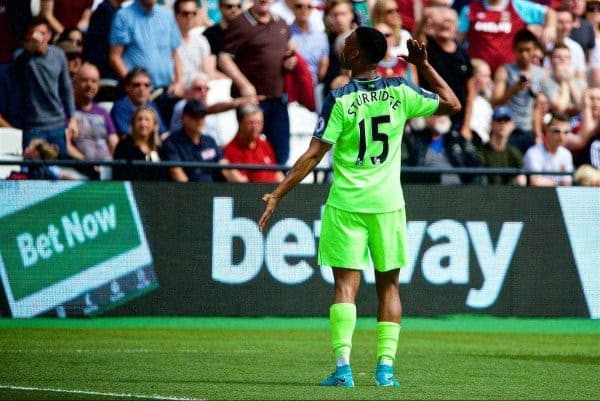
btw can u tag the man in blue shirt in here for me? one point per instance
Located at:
(145, 34)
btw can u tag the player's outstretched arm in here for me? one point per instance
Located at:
(304, 165)
(417, 55)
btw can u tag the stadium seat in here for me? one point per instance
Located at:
(109, 90)
(10, 149)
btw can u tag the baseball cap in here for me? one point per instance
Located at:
(502, 112)
(194, 108)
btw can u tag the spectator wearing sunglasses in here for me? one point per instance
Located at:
(230, 9)
(138, 88)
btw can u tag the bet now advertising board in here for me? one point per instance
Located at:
(167, 249)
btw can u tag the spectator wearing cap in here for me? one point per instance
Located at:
(250, 146)
(497, 153)
(551, 155)
(190, 145)
(138, 88)
(47, 93)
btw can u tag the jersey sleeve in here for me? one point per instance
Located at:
(419, 102)
(530, 12)
(330, 122)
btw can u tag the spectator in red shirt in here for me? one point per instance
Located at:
(249, 146)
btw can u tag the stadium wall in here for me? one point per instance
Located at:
(156, 249)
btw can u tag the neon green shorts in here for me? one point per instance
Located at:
(347, 238)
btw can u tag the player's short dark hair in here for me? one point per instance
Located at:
(524, 35)
(134, 72)
(371, 43)
(176, 5)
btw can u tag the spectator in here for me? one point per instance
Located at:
(453, 64)
(73, 55)
(583, 31)
(593, 15)
(517, 85)
(310, 43)
(551, 155)
(438, 146)
(11, 115)
(73, 35)
(256, 51)
(194, 51)
(97, 136)
(490, 27)
(142, 144)
(62, 14)
(481, 114)
(249, 146)
(14, 15)
(564, 89)
(138, 87)
(190, 145)
(580, 144)
(47, 93)
(199, 90)
(497, 153)
(339, 16)
(564, 26)
(230, 9)
(97, 38)
(587, 176)
(40, 149)
(387, 11)
(285, 9)
(145, 35)
(390, 65)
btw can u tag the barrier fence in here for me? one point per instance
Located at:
(163, 249)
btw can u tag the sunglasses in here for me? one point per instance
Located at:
(188, 13)
(559, 131)
(305, 6)
(502, 119)
(140, 84)
(231, 6)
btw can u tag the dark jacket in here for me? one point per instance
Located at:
(458, 151)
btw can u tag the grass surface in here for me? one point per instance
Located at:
(462, 357)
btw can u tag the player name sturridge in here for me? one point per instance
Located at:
(372, 97)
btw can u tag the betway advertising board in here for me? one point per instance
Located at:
(490, 250)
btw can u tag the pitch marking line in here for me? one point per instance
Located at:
(60, 390)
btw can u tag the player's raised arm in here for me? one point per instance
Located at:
(304, 165)
(417, 55)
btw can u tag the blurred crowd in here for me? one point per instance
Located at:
(130, 80)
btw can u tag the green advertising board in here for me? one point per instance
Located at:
(76, 248)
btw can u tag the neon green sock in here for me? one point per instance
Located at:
(387, 342)
(342, 319)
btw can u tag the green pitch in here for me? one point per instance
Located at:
(460, 357)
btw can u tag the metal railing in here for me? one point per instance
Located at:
(479, 171)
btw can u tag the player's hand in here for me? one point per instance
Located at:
(417, 52)
(271, 204)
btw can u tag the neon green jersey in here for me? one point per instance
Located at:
(364, 120)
